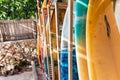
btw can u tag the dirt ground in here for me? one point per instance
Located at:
(27, 75)
(22, 76)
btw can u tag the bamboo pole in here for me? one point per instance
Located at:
(70, 26)
(52, 62)
(57, 38)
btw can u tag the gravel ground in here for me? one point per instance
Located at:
(41, 76)
(28, 75)
(22, 76)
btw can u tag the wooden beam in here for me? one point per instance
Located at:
(1, 34)
(57, 39)
(62, 5)
(70, 28)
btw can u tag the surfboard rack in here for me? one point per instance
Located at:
(58, 6)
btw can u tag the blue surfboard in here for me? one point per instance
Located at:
(64, 53)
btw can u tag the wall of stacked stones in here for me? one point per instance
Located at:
(12, 52)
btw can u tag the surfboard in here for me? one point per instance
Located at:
(48, 48)
(60, 9)
(45, 54)
(38, 40)
(41, 43)
(44, 4)
(80, 38)
(38, 46)
(117, 13)
(64, 53)
(102, 41)
(42, 46)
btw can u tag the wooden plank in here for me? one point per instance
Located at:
(1, 34)
(15, 27)
(57, 40)
(62, 5)
(70, 26)
(4, 32)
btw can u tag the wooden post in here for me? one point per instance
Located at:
(70, 26)
(52, 62)
(57, 38)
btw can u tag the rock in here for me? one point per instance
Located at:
(18, 49)
(22, 45)
(1, 57)
(12, 53)
(7, 46)
(12, 61)
(2, 50)
(9, 67)
(18, 56)
(26, 50)
(35, 51)
(9, 54)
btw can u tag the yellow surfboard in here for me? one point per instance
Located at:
(102, 41)
(38, 47)
(40, 42)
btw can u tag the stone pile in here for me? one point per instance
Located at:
(14, 52)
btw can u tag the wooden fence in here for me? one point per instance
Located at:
(17, 30)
